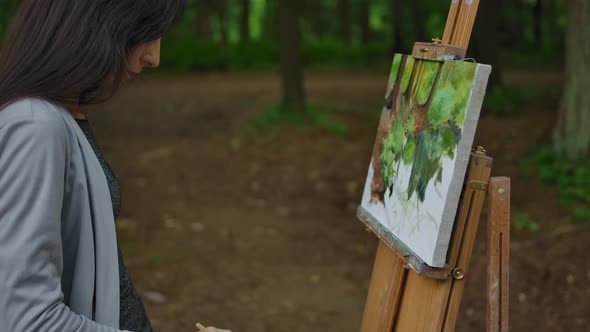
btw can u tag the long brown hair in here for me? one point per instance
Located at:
(67, 50)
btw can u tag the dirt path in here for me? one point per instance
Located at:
(258, 233)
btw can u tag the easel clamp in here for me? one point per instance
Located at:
(478, 185)
(431, 272)
(411, 261)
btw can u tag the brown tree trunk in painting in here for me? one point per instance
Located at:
(572, 134)
(487, 41)
(290, 54)
(344, 7)
(245, 21)
(377, 182)
(397, 24)
(366, 32)
(390, 111)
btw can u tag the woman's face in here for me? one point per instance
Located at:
(144, 55)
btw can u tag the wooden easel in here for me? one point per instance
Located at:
(405, 294)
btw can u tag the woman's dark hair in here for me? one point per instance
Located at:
(75, 51)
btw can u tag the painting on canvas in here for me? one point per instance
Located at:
(421, 153)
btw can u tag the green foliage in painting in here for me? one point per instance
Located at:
(429, 71)
(407, 74)
(423, 132)
(452, 93)
(426, 162)
(395, 67)
(409, 151)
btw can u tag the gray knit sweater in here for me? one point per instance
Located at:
(132, 312)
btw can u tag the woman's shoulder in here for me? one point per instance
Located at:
(30, 109)
(33, 118)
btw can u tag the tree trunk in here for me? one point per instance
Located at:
(203, 27)
(553, 28)
(397, 24)
(314, 15)
(344, 8)
(509, 26)
(572, 134)
(222, 9)
(366, 32)
(419, 15)
(538, 16)
(245, 21)
(270, 20)
(487, 46)
(290, 53)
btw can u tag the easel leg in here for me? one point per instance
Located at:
(387, 281)
(498, 254)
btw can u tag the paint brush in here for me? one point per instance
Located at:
(202, 328)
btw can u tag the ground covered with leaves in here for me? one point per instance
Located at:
(233, 221)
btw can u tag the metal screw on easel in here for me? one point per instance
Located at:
(458, 274)
(480, 150)
(501, 191)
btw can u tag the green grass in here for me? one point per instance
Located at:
(571, 177)
(522, 222)
(280, 115)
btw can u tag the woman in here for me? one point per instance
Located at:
(60, 267)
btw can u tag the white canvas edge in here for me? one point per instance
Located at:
(461, 162)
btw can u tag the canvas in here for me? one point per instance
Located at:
(421, 153)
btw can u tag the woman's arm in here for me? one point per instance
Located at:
(33, 155)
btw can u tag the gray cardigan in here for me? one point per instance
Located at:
(58, 249)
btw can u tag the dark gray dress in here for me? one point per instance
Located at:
(132, 312)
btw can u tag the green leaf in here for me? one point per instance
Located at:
(522, 222)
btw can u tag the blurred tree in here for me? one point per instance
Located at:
(365, 21)
(290, 55)
(572, 134)
(203, 24)
(320, 21)
(554, 11)
(538, 11)
(270, 20)
(344, 9)
(311, 20)
(485, 41)
(419, 23)
(397, 26)
(529, 28)
(221, 8)
(511, 19)
(245, 21)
